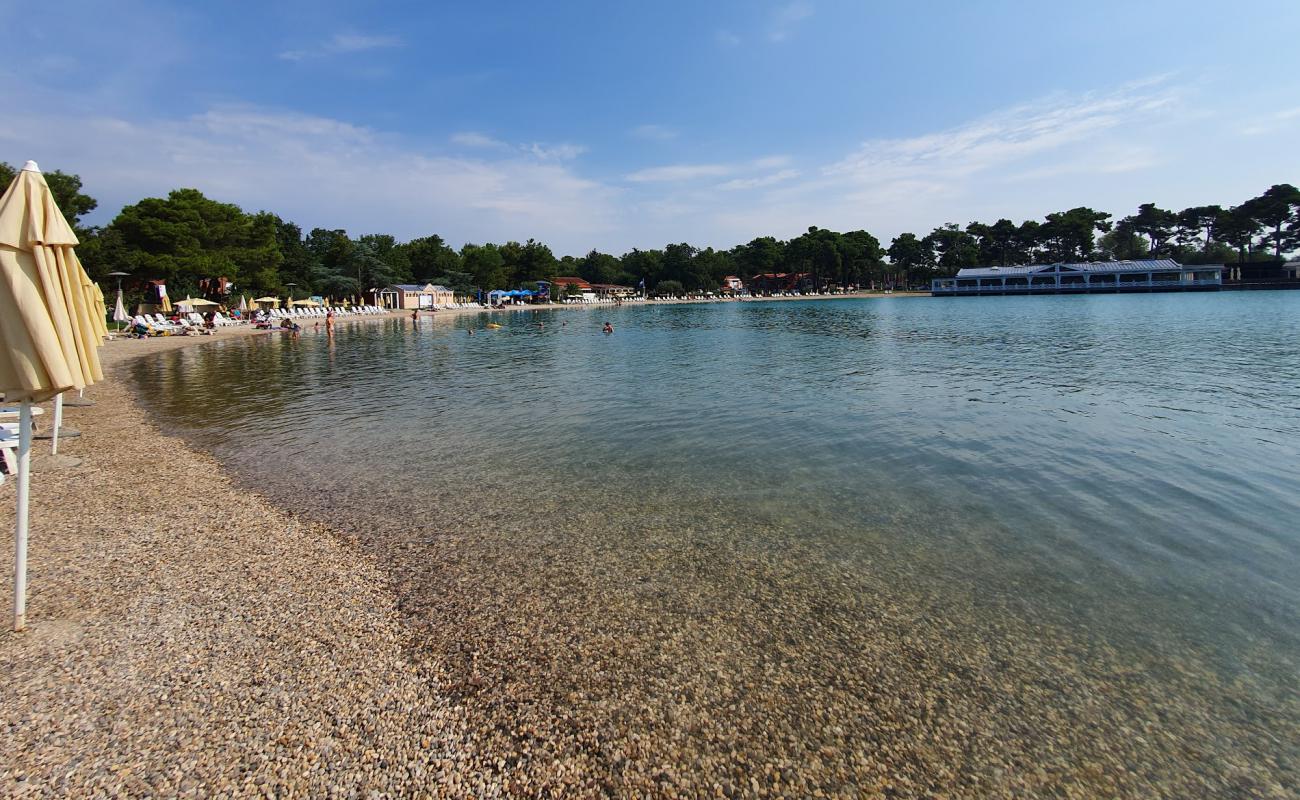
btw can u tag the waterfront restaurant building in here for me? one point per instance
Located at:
(1155, 275)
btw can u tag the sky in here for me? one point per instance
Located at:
(615, 125)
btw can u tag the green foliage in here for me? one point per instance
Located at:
(1069, 235)
(1123, 244)
(952, 249)
(187, 238)
(1156, 224)
(430, 257)
(910, 254)
(598, 267)
(486, 264)
(1274, 209)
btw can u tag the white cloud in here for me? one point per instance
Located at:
(728, 39)
(1272, 123)
(1003, 137)
(654, 132)
(760, 181)
(1103, 149)
(563, 151)
(321, 172)
(555, 152)
(678, 172)
(343, 43)
(786, 18)
(475, 139)
(1111, 150)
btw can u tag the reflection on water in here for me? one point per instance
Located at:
(1042, 524)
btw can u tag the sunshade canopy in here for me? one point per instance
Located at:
(48, 337)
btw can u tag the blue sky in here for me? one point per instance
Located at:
(620, 125)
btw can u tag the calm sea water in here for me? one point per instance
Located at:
(1122, 468)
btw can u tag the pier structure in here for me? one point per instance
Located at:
(1092, 277)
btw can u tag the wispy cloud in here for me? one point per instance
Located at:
(727, 38)
(479, 140)
(772, 179)
(563, 151)
(1271, 123)
(678, 172)
(786, 18)
(1111, 149)
(322, 172)
(1020, 162)
(654, 132)
(342, 44)
(1004, 137)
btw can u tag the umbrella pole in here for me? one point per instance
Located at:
(58, 420)
(20, 535)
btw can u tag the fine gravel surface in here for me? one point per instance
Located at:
(186, 638)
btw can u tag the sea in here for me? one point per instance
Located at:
(1038, 545)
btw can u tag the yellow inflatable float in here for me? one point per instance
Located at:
(493, 325)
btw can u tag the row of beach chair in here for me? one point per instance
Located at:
(321, 312)
(158, 325)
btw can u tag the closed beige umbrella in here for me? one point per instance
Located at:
(45, 318)
(99, 306)
(48, 340)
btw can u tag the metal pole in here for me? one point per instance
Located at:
(20, 534)
(58, 420)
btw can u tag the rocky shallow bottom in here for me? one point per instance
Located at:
(682, 658)
(190, 638)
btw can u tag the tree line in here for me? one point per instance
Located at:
(186, 239)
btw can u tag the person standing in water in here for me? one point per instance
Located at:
(608, 328)
(329, 322)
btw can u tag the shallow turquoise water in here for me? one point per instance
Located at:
(1124, 467)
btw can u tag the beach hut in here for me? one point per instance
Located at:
(48, 340)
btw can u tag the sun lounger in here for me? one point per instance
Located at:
(9, 449)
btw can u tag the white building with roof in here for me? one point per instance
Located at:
(1152, 275)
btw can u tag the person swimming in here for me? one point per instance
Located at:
(608, 328)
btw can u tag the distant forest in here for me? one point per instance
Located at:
(186, 238)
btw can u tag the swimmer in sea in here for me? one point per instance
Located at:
(608, 328)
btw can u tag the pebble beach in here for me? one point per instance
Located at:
(186, 638)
